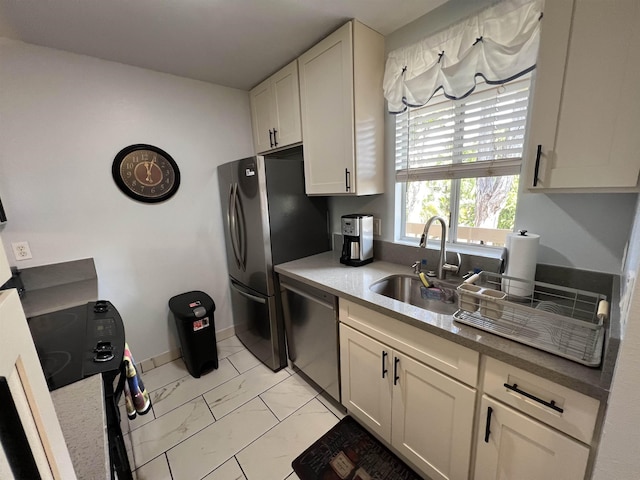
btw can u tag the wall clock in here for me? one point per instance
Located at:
(146, 173)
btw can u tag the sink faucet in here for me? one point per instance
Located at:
(443, 267)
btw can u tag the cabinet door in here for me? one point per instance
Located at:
(31, 441)
(286, 96)
(366, 379)
(520, 448)
(432, 419)
(261, 100)
(585, 111)
(326, 98)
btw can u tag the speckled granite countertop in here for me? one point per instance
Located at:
(324, 271)
(81, 413)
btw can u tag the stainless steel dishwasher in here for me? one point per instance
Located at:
(311, 325)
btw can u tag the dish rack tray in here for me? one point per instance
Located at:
(559, 320)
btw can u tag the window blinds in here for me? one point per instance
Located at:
(481, 135)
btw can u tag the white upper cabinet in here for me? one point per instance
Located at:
(342, 110)
(275, 110)
(585, 108)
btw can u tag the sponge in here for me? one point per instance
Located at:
(424, 280)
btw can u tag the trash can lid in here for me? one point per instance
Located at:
(191, 304)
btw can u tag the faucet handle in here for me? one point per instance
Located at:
(448, 267)
(416, 267)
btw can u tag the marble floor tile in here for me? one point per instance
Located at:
(334, 407)
(157, 469)
(187, 388)
(229, 346)
(270, 456)
(239, 390)
(127, 425)
(286, 397)
(243, 360)
(164, 375)
(229, 470)
(158, 436)
(205, 451)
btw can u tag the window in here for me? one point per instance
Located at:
(460, 159)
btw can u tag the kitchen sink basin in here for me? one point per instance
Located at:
(407, 288)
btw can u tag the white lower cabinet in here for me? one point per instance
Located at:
(425, 415)
(513, 446)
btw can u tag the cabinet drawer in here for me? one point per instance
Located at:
(450, 358)
(574, 413)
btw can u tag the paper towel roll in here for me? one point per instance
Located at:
(522, 251)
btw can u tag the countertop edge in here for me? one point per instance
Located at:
(593, 382)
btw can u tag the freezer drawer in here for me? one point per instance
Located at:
(258, 325)
(310, 317)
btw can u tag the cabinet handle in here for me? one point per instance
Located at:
(347, 179)
(487, 427)
(537, 167)
(551, 404)
(384, 363)
(275, 139)
(396, 377)
(270, 138)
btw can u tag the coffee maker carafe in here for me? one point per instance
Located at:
(357, 232)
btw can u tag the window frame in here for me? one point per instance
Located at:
(401, 188)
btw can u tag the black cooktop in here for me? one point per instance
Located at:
(77, 342)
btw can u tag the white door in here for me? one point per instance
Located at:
(23, 384)
(585, 118)
(286, 95)
(432, 419)
(512, 446)
(326, 99)
(261, 99)
(366, 376)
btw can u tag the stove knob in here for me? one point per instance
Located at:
(101, 306)
(103, 347)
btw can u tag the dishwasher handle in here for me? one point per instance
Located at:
(308, 296)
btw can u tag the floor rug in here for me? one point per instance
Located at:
(349, 452)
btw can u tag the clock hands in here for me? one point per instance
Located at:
(148, 166)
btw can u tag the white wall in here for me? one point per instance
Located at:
(63, 119)
(585, 231)
(618, 454)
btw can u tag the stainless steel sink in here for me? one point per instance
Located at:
(406, 288)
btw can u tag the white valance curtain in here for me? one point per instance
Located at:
(498, 44)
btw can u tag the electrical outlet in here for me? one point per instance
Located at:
(21, 250)
(377, 227)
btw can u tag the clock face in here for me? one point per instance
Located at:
(146, 173)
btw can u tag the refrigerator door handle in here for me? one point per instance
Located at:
(248, 295)
(232, 221)
(241, 230)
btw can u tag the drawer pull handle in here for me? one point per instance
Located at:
(536, 170)
(384, 363)
(396, 377)
(487, 427)
(551, 404)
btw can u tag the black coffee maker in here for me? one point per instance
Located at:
(357, 232)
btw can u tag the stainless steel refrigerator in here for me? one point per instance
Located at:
(268, 220)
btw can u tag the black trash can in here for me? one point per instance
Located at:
(193, 313)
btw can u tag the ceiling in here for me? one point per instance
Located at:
(235, 43)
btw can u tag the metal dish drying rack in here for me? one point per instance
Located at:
(559, 320)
